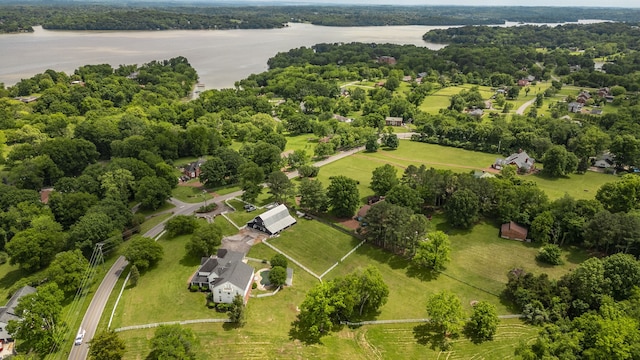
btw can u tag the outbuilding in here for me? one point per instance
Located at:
(273, 221)
(513, 231)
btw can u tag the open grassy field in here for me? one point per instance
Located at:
(316, 245)
(440, 99)
(394, 341)
(306, 142)
(361, 165)
(478, 269)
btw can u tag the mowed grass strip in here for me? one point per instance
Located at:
(398, 341)
(162, 292)
(314, 244)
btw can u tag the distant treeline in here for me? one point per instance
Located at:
(597, 36)
(147, 16)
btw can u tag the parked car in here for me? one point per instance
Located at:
(249, 208)
(80, 337)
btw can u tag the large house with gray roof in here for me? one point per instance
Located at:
(226, 275)
(8, 312)
(520, 159)
(273, 221)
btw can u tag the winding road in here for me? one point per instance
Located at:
(100, 298)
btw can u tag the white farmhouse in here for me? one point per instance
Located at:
(226, 275)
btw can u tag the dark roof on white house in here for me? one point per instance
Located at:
(277, 219)
(7, 312)
(228, 266)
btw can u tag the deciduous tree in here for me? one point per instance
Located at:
(68, 270)
(343, 196)
(205, 240)
(277, 276)
(462, 209)
(106, 345)
(280, 186)
(33, 249)
(445, 312)
(40, 323)
(181, 225)
(143, 252)
(312, 196)
(173, 342)
(152, 192)
(483, 324)
(434, 252)
(383, 179)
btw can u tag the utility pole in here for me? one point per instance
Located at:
(100, 254)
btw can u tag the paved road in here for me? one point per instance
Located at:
(94, 312)
(99, 301)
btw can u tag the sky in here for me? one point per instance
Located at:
(588, 3)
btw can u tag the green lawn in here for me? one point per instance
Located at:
(583, 186)
(480, 261)
(306, 142)
(361, 165)
(240, 217)
(263, 340)
(441, 98)
(398, 341)
(153, 221)
(162, 294)
(314, 244)
(190, 194)
(225, 225)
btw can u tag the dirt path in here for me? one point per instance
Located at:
(524, 106)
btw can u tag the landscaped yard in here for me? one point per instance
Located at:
(162, 293)
(314, 244)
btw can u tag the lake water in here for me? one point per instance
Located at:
(221, 57)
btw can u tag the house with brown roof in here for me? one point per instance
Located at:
(513, 231)
(393, 121)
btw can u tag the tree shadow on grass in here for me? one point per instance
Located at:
(429, 335)
(470, 334)
(298, 332)
(384, 257)
(189, 260)
(420, 273)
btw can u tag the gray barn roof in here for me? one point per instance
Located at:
(277, 219)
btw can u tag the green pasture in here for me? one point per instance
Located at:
(314, 244)
(441, 98)
(361, 165)
(392, 341)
